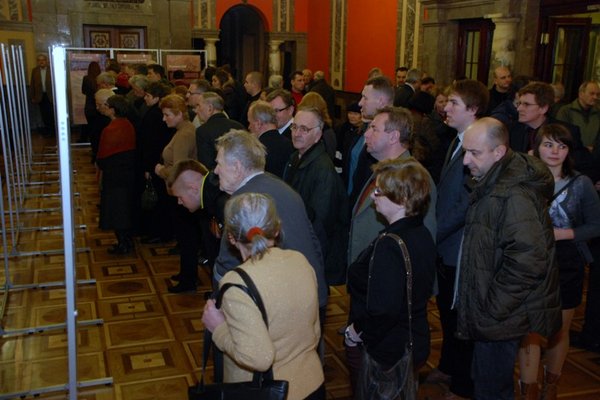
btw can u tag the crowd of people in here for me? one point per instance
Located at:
(494, 193)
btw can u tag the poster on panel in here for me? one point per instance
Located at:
(78, 66)
(183, 66)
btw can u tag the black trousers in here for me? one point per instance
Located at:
(456, 355)
(47, 112)
(187, 233)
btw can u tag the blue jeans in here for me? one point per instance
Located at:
(493, 368)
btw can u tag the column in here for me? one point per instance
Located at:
(274, 57)
(503, 42)
(211, 51)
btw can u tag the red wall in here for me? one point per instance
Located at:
(318, 35)
(370, 40)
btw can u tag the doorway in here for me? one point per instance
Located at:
(474, 49)
(242, 41)
(569, 48)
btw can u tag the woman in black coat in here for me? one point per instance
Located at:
(377, 279)
(153, 135)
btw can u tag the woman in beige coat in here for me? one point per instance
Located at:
(288, 287)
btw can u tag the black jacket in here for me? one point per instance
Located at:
(378, 304)
(207, 134)
(508, 285)
(313, 176)
(279, 150)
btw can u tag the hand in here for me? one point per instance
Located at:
(563, 234)
(158, 168)
(212, 317)
(147, 175)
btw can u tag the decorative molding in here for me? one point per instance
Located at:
(205, 14)
(121, 5)
(407, 33)
(205, 33)
(16, 26)
(338, 43)
(283, 15)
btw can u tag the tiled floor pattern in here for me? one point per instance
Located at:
(151, 341)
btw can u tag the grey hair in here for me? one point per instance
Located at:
(263, 112)
(276, 81)
(140, 81)
(240, 145)
(214, 100)
(106, 78)
(251, 219)
(413, 75)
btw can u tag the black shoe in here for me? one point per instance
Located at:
(181, 288)
(176, 277)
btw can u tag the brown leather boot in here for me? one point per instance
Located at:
(549, 388)
(529, 391)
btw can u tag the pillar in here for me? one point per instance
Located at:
(503, 43)
(211, 51)
(274, 57)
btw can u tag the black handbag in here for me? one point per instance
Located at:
(397, 382)
(149, 196)
(262, 386)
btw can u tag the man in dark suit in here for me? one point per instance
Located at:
(284, 106)
(410, 87)
(41, 93)
(209, 108)
(467, 101)
(262, 124)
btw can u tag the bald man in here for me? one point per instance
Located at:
(502, 87)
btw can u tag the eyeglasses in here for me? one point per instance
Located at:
(101, 104)
(302, 128)
(277, 110)
(378, 192)
(524, 104)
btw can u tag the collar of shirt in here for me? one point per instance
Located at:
(283, 128)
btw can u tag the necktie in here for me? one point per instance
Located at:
(365, 194)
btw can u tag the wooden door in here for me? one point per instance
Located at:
(115, 36)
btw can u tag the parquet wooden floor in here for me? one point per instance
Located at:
(150, 342)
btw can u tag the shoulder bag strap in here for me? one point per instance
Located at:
(565, 187)
(208, 336)
(251, 290)
(409, 285)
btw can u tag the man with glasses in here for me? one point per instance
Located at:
(311, 173)
(533, 103)
(196, 88)
(283, 104)
(262, 124)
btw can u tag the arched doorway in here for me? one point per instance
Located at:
(242, 41)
